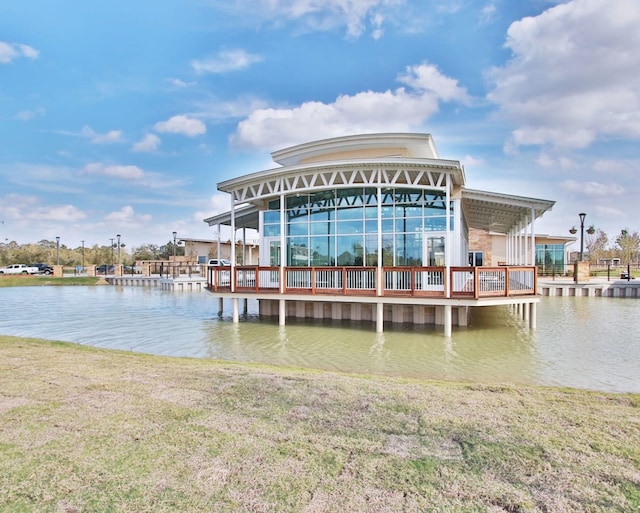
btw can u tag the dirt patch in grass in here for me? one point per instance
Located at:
(89, 430)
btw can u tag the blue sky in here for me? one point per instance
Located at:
(121, 117)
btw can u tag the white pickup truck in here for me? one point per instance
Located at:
(19, 269)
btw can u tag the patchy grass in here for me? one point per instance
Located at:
(90, 430)
(40, 280)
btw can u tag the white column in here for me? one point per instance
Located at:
(533, 320)
(283, 248)
(533, 236)
(235, 310)
(233, 244)
(380, 281)
(244, 244)
(447, 241)
(282, 311)
(447, 321)
(218, 257)
(379, 317)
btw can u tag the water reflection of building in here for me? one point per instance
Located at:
(374, 227)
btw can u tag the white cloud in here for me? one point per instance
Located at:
(22, 208)
(399, 110)
(574, 75)
(225, 61)
(149, 142)
(426, 78)
(111, 137)
(127, 215)
(27, 115)
(179, 83)
(11, 51)
(182, 125)
(357, 16)
(593, 188)
(122, 172)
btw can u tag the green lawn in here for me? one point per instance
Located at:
(90, 430)
(40, 280)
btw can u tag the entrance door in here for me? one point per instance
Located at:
(274, 253)
(435, 251)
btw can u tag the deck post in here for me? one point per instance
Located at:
(447, 321)
(527, 311)
(235, 310)
(533, 321)
(379, 317)
(282, 310)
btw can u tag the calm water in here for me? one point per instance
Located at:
(584, 342)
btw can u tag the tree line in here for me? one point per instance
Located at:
(598, 246)
(47, 251)
(625, 246)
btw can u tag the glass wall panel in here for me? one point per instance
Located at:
(271, 230)
(435, 224)
(322, 251)
(344, 227)
(322, 215)
(387, 226)
(371, 226)
(409, 225)
(271, 216)
(349, 213)
(350, 250)
(322, 228)
(371, 212)
(371, 250)
(296, 229)
(298, 251)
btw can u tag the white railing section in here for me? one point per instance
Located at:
(491, 282)
(474, 282)
(522, 280)
(462, 281)
(361, 280)
(298, 278)
(328, 279)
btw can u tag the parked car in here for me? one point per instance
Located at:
(18, 269)
(105, 269)
(43, 268)
(222, 262)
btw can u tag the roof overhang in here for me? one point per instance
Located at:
(500, 213)
(246, 216)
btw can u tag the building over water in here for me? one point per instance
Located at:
(376, 227)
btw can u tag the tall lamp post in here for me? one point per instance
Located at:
(582, 215)
(118, 237)
(57, 250)
(174, 245)
(112, 246)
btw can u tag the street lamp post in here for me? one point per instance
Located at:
(174, 245)
(57, 250)
(82, 242)
(111, 251)
(582, 215)
(118, 236)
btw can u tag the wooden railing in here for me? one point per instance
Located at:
(461, 282)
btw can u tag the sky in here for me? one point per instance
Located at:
(121, 117)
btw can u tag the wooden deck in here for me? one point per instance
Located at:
(391, 282)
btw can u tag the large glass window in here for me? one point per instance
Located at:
(550, 258)
(340, 227)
